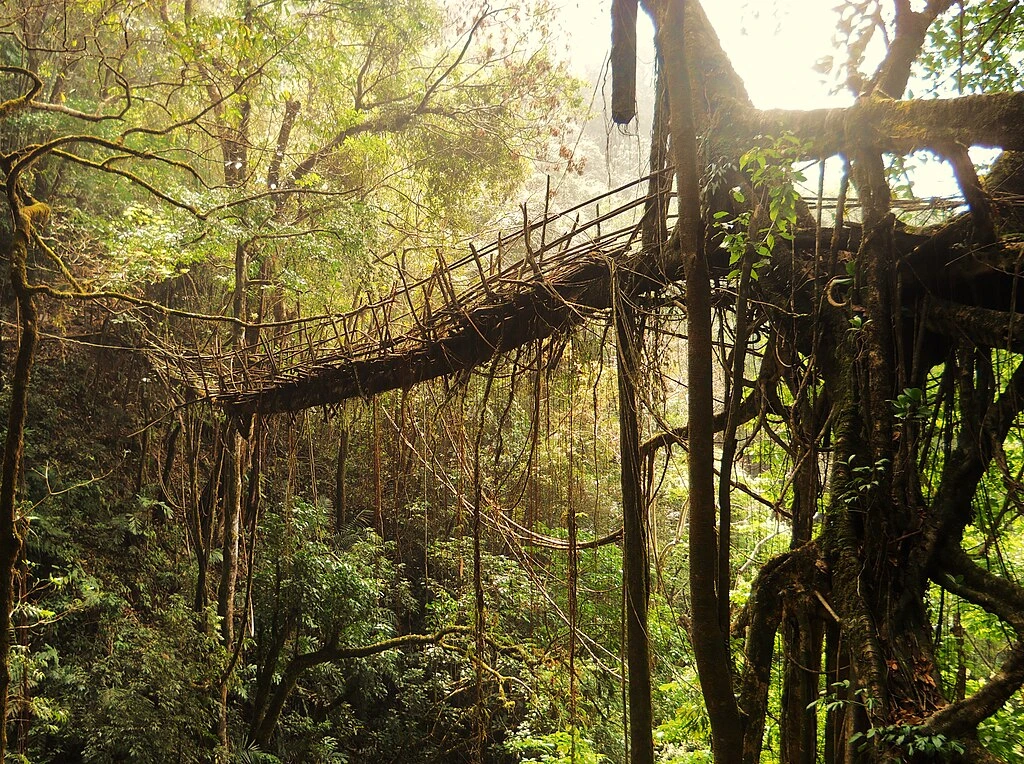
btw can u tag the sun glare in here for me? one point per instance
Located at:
(773, 46)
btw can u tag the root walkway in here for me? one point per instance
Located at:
(529, 284)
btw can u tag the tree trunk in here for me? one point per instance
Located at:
(710, 640)
(634, 534)
(803, 628)
(229, 566)
(25, 220)
(802, 637)
(341, 483)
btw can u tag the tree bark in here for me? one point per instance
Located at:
(341, 482)
(710, 639)
(634, 533)
(623, 61)
(229, 565)
(25, 220)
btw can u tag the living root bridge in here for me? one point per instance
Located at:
(504, 323)
(528, 285)
(547, 277)
(470, 328)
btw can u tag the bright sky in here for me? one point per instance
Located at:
(773, 45)
(774, 50)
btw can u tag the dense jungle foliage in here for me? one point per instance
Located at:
(437, 573)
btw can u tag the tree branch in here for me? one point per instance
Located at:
(911, 30)
(991, 120)
(23, 101)
(1004, 599)
(997, 329)
(389, 122)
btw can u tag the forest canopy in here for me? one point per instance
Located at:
(323, 445)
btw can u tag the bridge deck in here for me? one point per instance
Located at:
(523, 285)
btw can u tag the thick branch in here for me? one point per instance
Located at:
(963, 717)
(24, 100)
(329, 653)
(974, 192)
(385, 123)
(991, 120)
(911, 31)
(982, 327)
(962, 473)
(779, 577)
(958, 573)
(678, 436)
(1004, 599)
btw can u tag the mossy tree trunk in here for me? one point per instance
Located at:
(25, 221)
(635, 563)
(710, 635)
